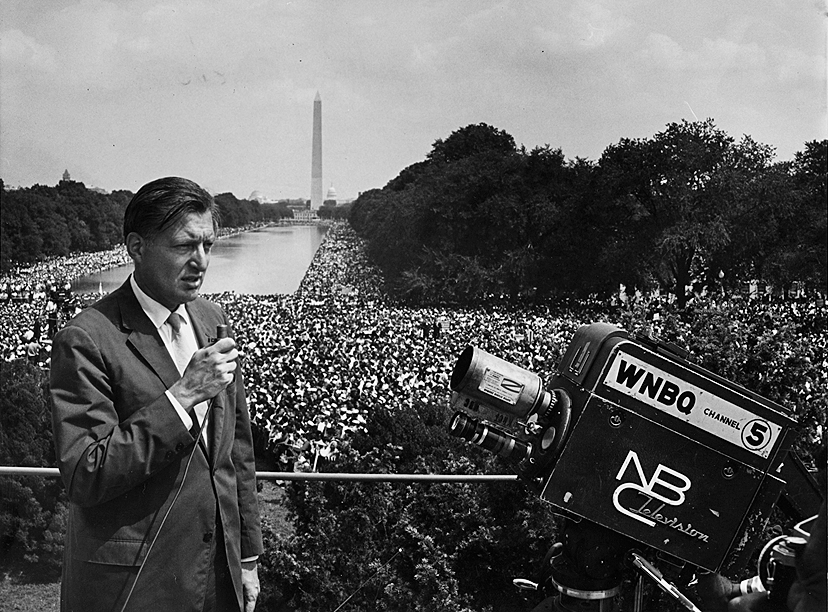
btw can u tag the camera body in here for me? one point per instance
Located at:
(631, 436)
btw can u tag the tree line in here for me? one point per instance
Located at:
(687, 209)
(40, 222)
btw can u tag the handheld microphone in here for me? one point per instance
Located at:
(221, 332)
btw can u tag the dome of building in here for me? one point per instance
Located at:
(331, 194)
(257, 196)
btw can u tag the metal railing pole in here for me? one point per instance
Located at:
(7, 470)
(385, 477)
(11, 470)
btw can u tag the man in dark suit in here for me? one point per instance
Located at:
(152, 431)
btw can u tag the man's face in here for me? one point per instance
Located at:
(170, 267)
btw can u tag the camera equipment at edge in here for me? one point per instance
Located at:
(639, 446)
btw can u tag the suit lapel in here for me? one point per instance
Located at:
(144, 337)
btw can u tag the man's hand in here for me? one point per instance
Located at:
(210, 370)
(250, 584)
(754, 602)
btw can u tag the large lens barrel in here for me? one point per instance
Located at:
(499, 384)
(489, 437)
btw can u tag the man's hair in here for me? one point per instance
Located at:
(163, 202)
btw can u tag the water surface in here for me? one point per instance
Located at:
(260, 262)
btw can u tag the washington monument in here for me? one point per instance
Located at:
(316, 161)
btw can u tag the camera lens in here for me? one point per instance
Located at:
(489, 437)
(499, 384)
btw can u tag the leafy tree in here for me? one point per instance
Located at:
(21, 240)
(750, 252)
(789, 244)
(677, 191)
(459, 222)
(43, 221)
(275, 211)
(808, 236)
(334, 211)
(362, 211)
(77, 205)
(585, 250)
(32, 508)
(238, 213)
(470, 141)
(479, 217)
(408, 176)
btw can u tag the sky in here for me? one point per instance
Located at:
(221, 91)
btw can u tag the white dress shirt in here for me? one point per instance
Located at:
(159, 314)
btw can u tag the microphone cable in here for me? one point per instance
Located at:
(221, 332)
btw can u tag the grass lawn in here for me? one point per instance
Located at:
(17, 595)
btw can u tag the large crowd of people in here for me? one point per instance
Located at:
(319, 360)
(36, 300)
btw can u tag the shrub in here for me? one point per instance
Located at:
(32, 508)
(397, 546)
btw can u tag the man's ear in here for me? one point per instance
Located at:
(135, 245)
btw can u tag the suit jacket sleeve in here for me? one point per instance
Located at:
(245, 464)
(241, 455)
(105, 447)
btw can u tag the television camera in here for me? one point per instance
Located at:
(644, 453)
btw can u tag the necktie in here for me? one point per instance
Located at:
(181, 351)
(182, 347)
